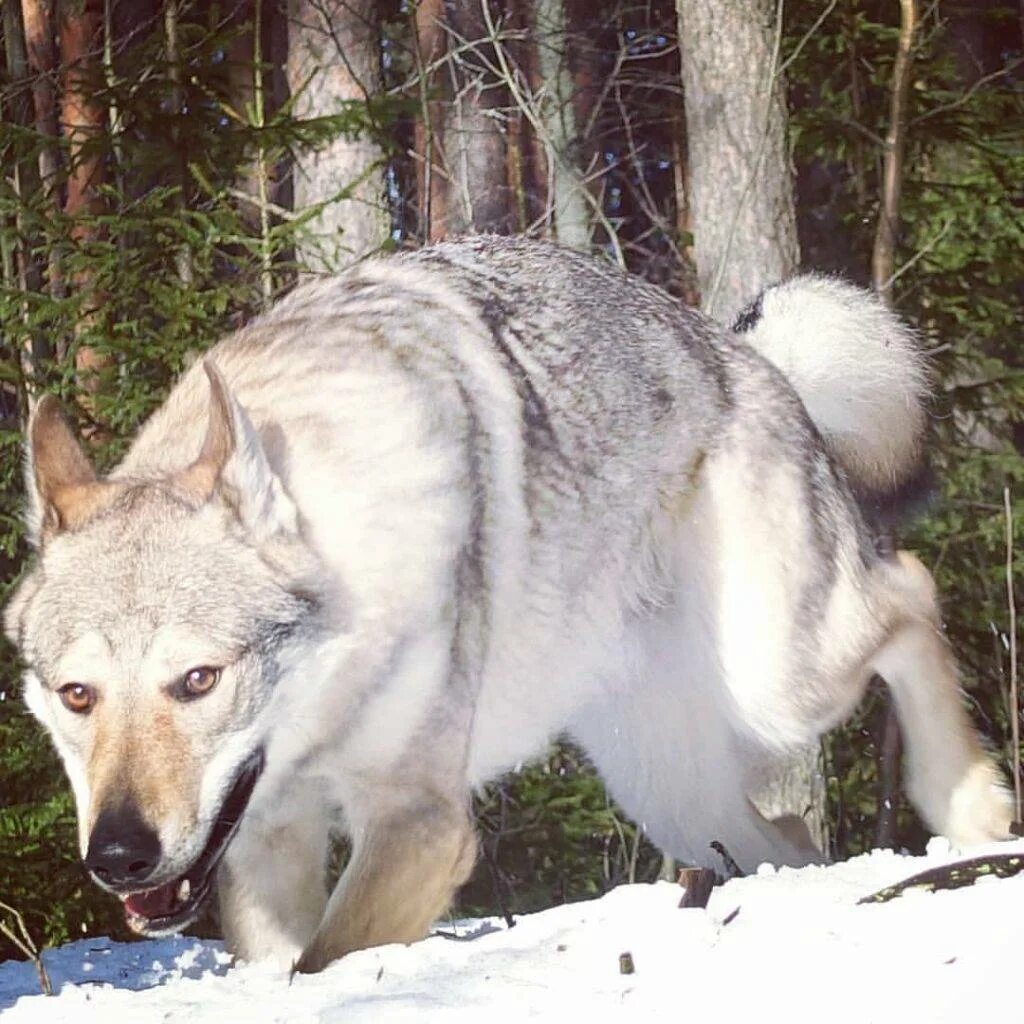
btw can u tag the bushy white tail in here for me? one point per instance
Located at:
(857, 368)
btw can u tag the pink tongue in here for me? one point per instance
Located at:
(155, 903)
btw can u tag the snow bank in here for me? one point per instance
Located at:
(788, 945)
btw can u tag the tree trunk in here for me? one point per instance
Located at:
(82, 114)
(688, 286)
(334, 59)
(883, 255)
(38, 18)
(558, 114)
(478, 197)
(741, 192)
(527, 179)
(172, 44)
(883, 264)
(83, 117)
(431, 167)
(586, 58)
(40, 29)
(24, 176)
(460, 140)
(744, 225)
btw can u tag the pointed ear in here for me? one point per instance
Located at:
(62, 486)
(233, 464)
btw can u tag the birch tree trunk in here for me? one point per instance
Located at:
(558, 112)
(334, 58)
(741, 193)
(744, 225)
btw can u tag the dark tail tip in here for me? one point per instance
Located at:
(887, 511)
(748, 317)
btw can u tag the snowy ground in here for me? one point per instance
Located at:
(786, 945)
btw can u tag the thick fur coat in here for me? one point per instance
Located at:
(390, 539)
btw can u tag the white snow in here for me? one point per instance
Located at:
(797, 948)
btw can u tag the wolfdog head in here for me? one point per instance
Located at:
(154, 626)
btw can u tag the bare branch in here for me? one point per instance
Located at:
(964, 99)
(883, 254)
(528, 107)
(921, 253)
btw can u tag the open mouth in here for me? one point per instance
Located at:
(176, 904)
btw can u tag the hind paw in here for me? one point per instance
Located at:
(980, 808)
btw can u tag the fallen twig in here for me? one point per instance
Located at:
(952, 876)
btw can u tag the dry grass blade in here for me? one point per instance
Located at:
(20, 937)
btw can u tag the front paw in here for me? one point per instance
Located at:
(315, 957)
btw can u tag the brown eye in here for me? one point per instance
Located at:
(78, 697)
(197, 682)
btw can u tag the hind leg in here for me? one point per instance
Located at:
(667, 752)
(950, 778)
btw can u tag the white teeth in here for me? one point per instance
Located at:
(184, 890)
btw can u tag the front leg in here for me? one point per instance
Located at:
(406, 864)
(272, 884)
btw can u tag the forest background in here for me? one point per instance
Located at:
(170, 168)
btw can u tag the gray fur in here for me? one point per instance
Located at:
(476, 496)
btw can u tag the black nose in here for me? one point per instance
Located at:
(123, 849)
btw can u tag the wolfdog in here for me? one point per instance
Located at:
(388, 540)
